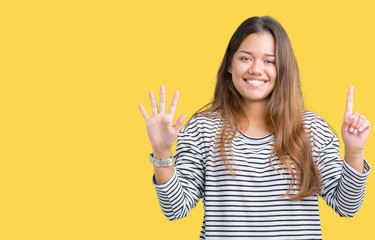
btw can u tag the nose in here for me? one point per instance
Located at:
(256, 68)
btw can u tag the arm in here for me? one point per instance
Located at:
(162, 131)
(182, 192)
(343, 187)
(178, 187)
(344, 181)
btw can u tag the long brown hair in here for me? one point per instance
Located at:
(284, 113)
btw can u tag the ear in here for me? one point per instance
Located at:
(230, 69)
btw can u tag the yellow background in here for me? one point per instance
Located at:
(74, 148)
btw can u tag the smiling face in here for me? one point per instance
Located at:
(253, 67)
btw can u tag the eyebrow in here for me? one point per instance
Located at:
(250, 53)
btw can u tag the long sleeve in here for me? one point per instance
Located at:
(182, 192)
(343, 188)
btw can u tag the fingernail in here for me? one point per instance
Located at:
(360, 129)
(351, 129)
(355, 131)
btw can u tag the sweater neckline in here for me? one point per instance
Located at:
(257, 140)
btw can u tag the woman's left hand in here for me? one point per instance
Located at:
(355, 128)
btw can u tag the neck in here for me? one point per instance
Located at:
(256, 113)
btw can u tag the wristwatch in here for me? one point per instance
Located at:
(161, 162)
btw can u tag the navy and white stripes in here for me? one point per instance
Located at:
(250, 205)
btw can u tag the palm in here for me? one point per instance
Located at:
(355, 141)
(161, 130)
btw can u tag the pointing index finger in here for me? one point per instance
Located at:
(349, 100)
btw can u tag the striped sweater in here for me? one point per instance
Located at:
(250, 205)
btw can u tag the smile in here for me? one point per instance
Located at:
(256, 83)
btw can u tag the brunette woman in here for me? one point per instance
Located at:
(258, 160)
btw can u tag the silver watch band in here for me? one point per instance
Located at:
(161, 162)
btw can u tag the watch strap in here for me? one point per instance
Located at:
(161, 162)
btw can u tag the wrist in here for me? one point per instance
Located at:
(355, 159)
(162, 154)
(161, 162)
(356, 153)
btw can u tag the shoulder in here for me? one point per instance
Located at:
(318, 129)
(203, 122)
(313, 120)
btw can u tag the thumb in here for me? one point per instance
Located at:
(180, 121)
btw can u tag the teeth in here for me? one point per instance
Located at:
(255, 82)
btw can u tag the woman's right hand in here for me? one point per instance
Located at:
(161, 129)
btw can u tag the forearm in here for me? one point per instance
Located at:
(355, 159)
(177, 193)
(163, 174)
(347, 197)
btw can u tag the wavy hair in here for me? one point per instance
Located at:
(284, 113)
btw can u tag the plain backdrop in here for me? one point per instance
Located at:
(73, 144)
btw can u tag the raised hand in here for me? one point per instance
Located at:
(355, 128)
(161, 129)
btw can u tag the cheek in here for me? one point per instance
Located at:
(239, 69)
(271, 72)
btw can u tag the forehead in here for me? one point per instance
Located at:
(258, 43)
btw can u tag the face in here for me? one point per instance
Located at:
(253, 67)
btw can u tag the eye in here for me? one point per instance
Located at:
(269, 61)
(246, 59)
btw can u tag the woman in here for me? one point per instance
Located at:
(258, 160)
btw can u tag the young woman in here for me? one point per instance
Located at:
(258, 160)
